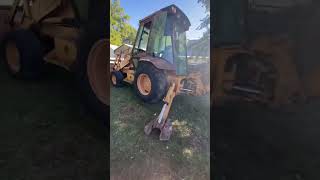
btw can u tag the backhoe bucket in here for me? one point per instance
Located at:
(165, 128)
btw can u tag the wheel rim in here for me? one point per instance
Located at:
(97, 70)
(144, 84)
(114, 79)
(13, 57)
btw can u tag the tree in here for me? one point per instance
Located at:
(205, 22)
(120, 29)
(128, 34)
(201, 47)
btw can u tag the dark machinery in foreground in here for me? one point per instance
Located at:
(71, 34)
(265, 51)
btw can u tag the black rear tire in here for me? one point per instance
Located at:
(91, 32)
(159, 83)
(100, 109)
(30, 54)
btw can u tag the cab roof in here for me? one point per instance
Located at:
(172, 9)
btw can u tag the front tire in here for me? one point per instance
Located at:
(23, 54)
(117, 78)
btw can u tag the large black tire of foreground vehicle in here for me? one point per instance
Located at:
(159, 83)
(94, 31)
(26, 50)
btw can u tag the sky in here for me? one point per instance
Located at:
(137, 10)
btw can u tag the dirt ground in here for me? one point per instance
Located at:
(135, 156)
(46, 133)
(254, 142)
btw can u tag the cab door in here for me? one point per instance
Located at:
(141, 42)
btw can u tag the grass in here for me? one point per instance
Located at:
(135, 155)
(45, 131)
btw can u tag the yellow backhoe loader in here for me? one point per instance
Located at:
(157, 65)
(71, 34)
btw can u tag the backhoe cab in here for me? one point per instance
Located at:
(157, 64)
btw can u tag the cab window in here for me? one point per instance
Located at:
(143, 38)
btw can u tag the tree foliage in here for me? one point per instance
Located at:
(201, 47)
(205, 22)
(120, 29)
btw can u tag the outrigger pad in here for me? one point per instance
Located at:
(166, 129)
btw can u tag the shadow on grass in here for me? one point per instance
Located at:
(253, 142)
(46, 132)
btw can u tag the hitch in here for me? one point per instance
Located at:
(162, 122)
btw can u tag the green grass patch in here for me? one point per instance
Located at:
(185, 156)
